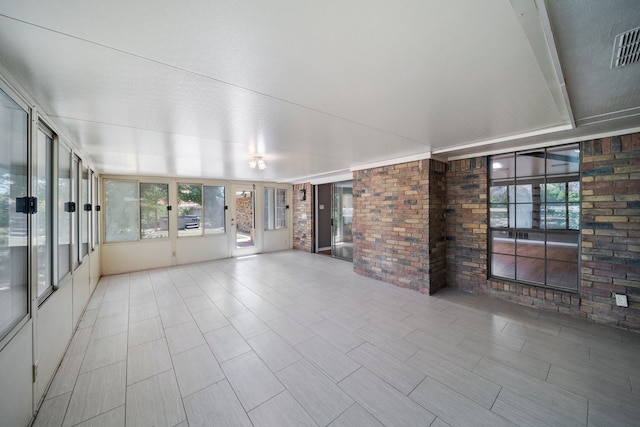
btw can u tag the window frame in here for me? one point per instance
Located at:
(550, 239)
(206, 211)
(275, 208)
(50, 213)
(12, 328)
(140, 216)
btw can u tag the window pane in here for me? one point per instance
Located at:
(269, 203)
(498, 194)
(555, 192)
(13, 225)
(154, 219)
(189, 209)
(524, 215)
(503, 242)
(76, 215)
(530, 244)
(574, 191)
(556, 216)
(530, 163)
(562, 274)
(85, 216)
(96, 213)
(44, 216)
(563, 160)
(574, 216)
(64, 217)
(281, 208)
(498, 214)
(503, 166)
(121, 211)
(213, 209)
(530, 269)
(503, 266)
(524, 193)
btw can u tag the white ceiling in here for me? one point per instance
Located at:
(195, 89)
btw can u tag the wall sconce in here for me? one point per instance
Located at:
(302, 195)
(257, 162)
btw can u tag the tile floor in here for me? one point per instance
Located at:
(295, 339)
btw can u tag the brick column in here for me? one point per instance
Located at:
(466, 230)
(303, 218)
(393, 238)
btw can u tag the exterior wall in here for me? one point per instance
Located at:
(303, 218)
(610, 235)
(467, 244)
(611, 229)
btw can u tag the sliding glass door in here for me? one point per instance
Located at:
(342, 220)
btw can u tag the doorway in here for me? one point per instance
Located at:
(342, 220)
(243, 221)
(334, 213)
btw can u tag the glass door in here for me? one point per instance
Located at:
(342, 220)
(243, 221)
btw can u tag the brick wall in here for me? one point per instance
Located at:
(467, 243)
(466, 230)
(303, 218)
(401, 236)
(436, 262)
(611, 229)
(392, 239)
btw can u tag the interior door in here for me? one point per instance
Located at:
(244, 238)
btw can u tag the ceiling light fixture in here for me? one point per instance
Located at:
(257, 162)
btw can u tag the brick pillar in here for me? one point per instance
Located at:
(393, 224)
(303, 218)
(436, 219)
(466, 231)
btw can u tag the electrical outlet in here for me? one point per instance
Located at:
(621, 300)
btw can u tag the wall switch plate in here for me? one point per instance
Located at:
(621, 300)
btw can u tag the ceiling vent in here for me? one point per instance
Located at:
(626, 48)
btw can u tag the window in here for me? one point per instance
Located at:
(121, 211)
(189, 210)
(75, 211)
(534, 216)
(154, 219)
(95, 241)
(275, 209)
(64, 211)
(14, 295)
(214, 209)
(85, 213)
(44, 216)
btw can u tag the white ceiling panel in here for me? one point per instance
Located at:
(167, 88)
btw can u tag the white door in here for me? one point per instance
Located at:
(244, 240)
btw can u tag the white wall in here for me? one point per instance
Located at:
(44, 335)
(124, 257)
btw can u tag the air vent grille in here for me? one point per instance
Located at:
(626, 48)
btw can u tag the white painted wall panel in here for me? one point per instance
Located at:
(54, 331)
(16, 404)
(199, 249)
(135, 256)
(81, 289)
